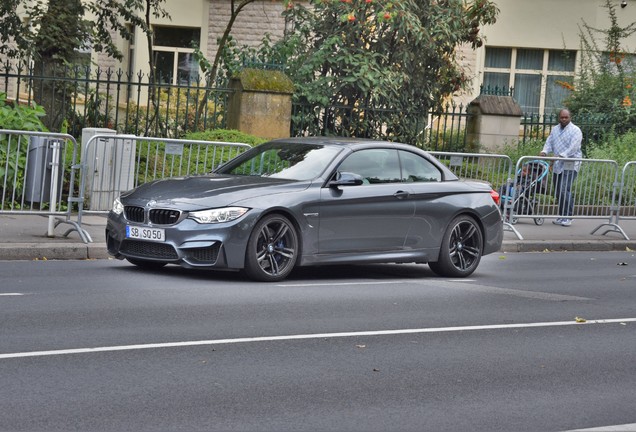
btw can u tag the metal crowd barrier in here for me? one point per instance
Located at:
(532, 193)
(625, 204)
(116, 163)
(494, 169)
(38, 171)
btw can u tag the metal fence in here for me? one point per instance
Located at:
(533, 192)
(38, 174)
(493, 169)
(437, 130)
(116, 163)
(626, 202)
(82, 97)
(42, 173)
(593, 126)
(49, 174)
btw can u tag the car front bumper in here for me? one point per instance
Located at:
(186, 243)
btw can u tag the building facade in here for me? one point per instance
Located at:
(534, 47)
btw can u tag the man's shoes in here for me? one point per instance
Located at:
(558, 221)
(566, 222)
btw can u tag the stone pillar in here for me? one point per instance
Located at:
(493, 122)
(260, 104)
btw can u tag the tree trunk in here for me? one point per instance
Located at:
(59, 36)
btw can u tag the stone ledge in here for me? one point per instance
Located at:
(53, 251)
(567, 246)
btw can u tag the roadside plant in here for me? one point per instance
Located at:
(13, 157)
(372, 68)
(605, 83)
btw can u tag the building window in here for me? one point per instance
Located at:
(541, 78)
(173, 54)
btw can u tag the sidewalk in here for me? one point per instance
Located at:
(25, 238)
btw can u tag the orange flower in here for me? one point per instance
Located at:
(627, 101)
(565, 85)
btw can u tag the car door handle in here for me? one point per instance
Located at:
(401, 194)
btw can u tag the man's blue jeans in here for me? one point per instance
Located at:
(563, 191)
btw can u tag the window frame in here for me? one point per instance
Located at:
(175, 50)
(512, 71)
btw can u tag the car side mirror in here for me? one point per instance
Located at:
(346, 179)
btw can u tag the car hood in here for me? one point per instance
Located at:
(207, 191)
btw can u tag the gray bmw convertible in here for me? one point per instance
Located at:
(309, 202)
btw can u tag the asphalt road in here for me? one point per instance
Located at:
(101, 345)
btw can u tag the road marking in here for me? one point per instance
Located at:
(10, 294)
(617, 428)
(340, 284)
(308, 336)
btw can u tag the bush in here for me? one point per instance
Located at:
(225, 135)
(621, 148)
(14, 116)
(20, 117)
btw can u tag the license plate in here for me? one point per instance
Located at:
(144, 233)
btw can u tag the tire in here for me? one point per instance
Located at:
(538, 221)
(272, 249)
(461, 249)
(148, 265)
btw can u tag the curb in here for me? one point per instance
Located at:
(53, 251)
(568, 246)
(93, 251)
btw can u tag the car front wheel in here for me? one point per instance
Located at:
(461, 248)
(272, 249)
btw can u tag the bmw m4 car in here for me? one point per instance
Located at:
(308, 202)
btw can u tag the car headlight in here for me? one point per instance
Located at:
(225, 214)
(118, 207)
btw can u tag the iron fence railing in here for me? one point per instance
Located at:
(593, 126)
(131, 104)
(438, 130)
(126, 102)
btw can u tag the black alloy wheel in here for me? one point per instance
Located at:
(272, 249)
(461, 249)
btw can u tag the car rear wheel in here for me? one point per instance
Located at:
(272, 249)
(461, 248)
(149, 265)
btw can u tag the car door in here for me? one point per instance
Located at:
(429, 194)
(373, 216)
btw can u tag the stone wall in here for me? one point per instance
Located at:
(254, 21)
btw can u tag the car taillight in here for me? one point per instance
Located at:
(495, 196)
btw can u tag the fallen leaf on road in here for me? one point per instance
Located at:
(580, 320)
(502, 257)
(627, 249)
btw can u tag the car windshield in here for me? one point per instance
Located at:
(290, 161)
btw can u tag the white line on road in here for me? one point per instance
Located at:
(10, 294)
(341, 284)
(308, 336)
(616, 428)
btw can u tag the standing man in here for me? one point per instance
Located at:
(564, 142)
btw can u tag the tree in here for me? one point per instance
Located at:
(54, 30)
(394, 54)
(607, 74)
(211, 70)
